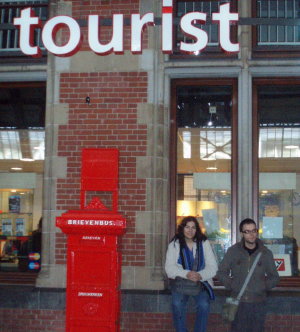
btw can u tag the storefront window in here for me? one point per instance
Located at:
(204, 155)
(279, 172)
(22, 140)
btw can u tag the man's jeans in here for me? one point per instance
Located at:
(179, 308)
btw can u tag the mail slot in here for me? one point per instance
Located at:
(93, 257)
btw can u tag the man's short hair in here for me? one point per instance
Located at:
(246, 221)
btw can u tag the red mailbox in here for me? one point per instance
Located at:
(94, 262)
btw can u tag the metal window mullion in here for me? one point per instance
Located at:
(17, 31)
(267, 146)
(277, 15)
(2, 15)
(282, 141)
(285, 27)
(284, 136)
(269, 27)
(185, 10)
(10, 15)
(259, 15)
(295, 16)
(289, 139)
(2, 21)
(210, 27)
(9, 34)
(278, 139)
(38, 41)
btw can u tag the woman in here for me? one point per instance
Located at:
(181, 255)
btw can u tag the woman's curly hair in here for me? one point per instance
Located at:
(199, 236)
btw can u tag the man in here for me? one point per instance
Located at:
(233, 271)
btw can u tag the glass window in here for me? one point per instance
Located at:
(209, 7)
(9, 35)
(278, 35)
(279, 172)
(22, 142)
(204, 155)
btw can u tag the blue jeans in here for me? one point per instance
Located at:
(179, 308)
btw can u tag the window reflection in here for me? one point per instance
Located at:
(22, 154)
(20, 144)
(279, 172)
(204, 160)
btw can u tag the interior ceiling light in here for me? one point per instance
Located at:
(292, 147)
(210, 123)
(27, 159)
(211, 168)
(212, 110)
(16, 168)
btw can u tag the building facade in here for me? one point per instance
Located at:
(203, 132)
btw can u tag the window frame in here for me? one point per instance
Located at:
(16, 55)
(210, 52)
(18, 277)
(173, 146)
(292, 282)
(270, 51)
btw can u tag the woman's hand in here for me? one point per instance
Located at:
(194, 276)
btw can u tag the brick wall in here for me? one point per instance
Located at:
(156, 322)
(109, 121)
(105, 9)
(144, 322)
(282, 323)
(20, 320)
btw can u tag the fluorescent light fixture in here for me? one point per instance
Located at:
(16, 168)
(292, 147)
(211, 168)
(27, 159)
(187, 150)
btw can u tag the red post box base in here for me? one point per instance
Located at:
(93, 270)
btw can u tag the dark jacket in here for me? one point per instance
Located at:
(234, 268)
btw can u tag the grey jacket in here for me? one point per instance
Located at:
(235, 266)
